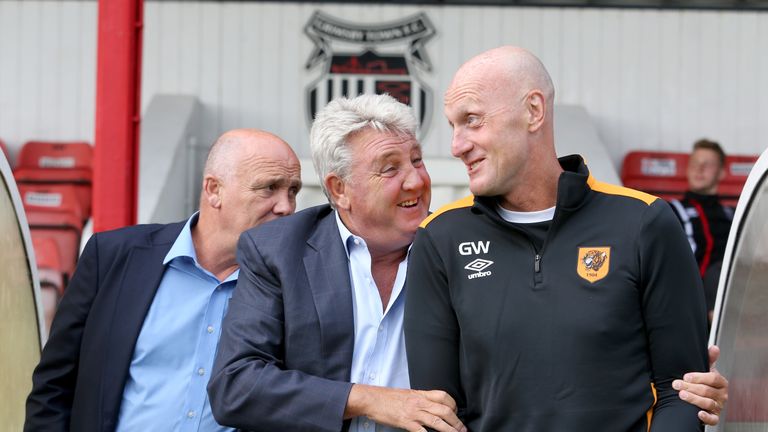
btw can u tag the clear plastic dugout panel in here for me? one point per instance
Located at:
(741, 312)
(20, 336)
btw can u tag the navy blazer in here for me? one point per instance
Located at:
(285, 354)
(79, 382)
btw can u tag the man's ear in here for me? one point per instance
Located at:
(721, 174)
(212, 189)
(536, 105)
(338, 191)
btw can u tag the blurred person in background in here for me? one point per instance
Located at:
(705, 219)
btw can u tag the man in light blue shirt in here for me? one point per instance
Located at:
(379, 354)
(174, 352)
(133, 343)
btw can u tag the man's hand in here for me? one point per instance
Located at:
(412, 410)
(708, 391)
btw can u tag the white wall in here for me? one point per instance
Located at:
(649, 78)
(47, 71)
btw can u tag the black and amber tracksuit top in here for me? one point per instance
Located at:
(585, 334)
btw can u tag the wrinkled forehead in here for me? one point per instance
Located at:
(271, 164)
(469, 80)
(480, 84)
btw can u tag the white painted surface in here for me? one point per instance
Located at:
(170, 160)
(47, 71)
(650, 79)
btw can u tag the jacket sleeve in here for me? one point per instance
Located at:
(674, 314)
(49, 405)
(431, 329)
(252, 387)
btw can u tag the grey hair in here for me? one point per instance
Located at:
(328, 139)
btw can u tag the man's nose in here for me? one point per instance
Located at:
(459, 144)
(285, 204)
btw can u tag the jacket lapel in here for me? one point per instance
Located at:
(142, 273)
(328, 274)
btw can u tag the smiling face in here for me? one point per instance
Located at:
(490, 130)
(387, 192)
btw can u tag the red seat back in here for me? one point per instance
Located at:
(664, 174)
(51, 206)
(61, 158)
(737, 168)
(43, 162)
(49, 266)
(68, 244)
(657, 173)
(53, 212)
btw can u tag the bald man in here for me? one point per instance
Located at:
(549, 301)
(134, 339)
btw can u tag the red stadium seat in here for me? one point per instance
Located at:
(664, 174)
(737, 168)
(53, 211)
(48, 262)
(41, 162)
(657, 173)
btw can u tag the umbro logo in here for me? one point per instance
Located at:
(477, 266)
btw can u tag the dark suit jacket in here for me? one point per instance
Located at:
(79, 382)
(285, 354)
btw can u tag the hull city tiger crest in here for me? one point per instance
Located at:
(355, 59)
(593, 263)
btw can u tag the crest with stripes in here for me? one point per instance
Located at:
(350, 59)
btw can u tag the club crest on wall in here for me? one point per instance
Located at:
(351, 59)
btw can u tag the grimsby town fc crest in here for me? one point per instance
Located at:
(351, 59)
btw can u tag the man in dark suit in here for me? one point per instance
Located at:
(134, 339)
(313, 336)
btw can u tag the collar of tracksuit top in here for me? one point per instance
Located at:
(572, 191)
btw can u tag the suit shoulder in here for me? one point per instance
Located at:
(143, 234)
(299, 224)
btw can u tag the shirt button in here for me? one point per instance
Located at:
(366, 424)
(210, 329)
(372, 376)
(190, 414)
(357, 242)
(381, 329)
(201, 371)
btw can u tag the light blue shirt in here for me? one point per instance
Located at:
(378, 357)
(173, 358)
